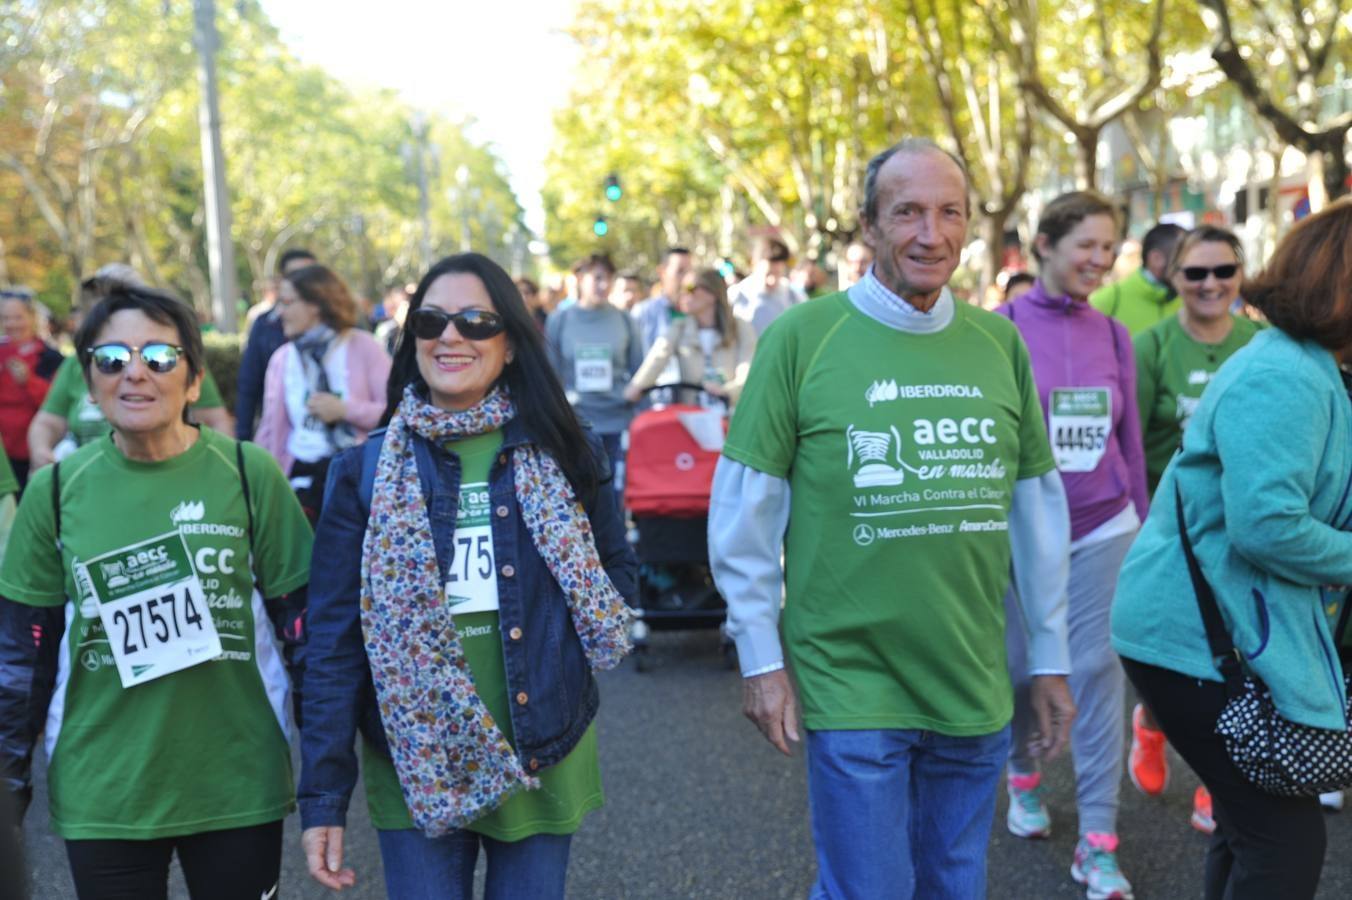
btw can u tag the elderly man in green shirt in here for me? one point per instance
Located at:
(890, 448)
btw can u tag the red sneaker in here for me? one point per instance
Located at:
(1201, 811)
(1147, 764)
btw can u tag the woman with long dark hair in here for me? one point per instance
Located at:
(471, 574)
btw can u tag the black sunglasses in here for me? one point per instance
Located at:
(428, 323)
(1199, 273)
(112, 358)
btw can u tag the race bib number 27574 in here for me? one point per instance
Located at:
(152, 607)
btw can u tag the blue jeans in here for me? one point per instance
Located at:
(421, 868)
(902, 813)
(615, 453)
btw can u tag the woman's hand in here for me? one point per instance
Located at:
(632, 394)
(715, 389)
(324, 857)
(330, 408)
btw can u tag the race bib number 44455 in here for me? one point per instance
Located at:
(152, 607)
(1081, 420)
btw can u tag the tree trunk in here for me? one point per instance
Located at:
(1335, 166)
(995, 248)
(1086, 163)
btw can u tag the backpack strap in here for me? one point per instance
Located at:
(244, 486)
(370, 457)
(56, 508)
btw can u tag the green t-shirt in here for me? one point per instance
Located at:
(199, 749)
(1172, 370)
(901, 452)
(1136, 301)
(568, 790)
(68, 397)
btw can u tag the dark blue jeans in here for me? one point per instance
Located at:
(421, 868)
(615, 452)
(902, 813)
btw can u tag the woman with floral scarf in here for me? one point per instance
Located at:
(470, 574)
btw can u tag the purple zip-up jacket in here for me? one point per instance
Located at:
(1071, 345)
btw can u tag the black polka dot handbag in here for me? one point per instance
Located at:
(1279, 756)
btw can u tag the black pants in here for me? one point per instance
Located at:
(217, 865)
(311, 497)
(1265, 846)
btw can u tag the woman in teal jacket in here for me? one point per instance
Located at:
(1265, 475)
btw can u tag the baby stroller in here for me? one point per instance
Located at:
(669, 473)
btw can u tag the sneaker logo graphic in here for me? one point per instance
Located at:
(269, 894)
(871, 452)
(114, 573)
(188, 511)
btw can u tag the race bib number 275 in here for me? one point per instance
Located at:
(152, 607)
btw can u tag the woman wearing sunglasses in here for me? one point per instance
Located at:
(1086, 380)
(133, 600)
(712, 347)
(325, 388)
(470, 573)
(1176, 359)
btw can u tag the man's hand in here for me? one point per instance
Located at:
(632, 394)
(324, 857)
(1055, 711)
(329, 407)
(768, 701)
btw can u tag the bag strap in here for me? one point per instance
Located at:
(56, 508)
(1223, 651)
(244, 485)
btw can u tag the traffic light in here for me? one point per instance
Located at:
(600, 226)
(613, 190)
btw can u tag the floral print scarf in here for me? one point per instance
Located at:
(453, 761)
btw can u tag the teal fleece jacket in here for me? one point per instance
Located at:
(1265, 473)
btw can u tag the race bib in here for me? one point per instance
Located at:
(1081, 420)
(593, 369)
(472, 583)
(152, 607)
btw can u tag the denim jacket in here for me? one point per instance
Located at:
(543, 655)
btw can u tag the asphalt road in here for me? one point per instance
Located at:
(699, 806)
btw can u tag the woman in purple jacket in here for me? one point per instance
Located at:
(1086, 379)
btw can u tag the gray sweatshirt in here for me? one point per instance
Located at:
(595, 352)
